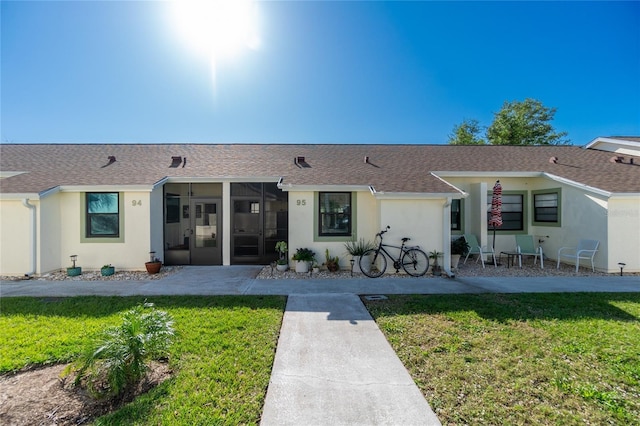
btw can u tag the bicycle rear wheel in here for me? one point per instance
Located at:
(415, 262)
(373, 264)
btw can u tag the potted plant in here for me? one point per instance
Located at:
(303, 258)
(332, 263)
(435, 268)
(357, 249)
(282, 263)
(74, 270)
(107, 270)
(153, 265)
(459, 248)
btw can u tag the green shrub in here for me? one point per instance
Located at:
(118, 359)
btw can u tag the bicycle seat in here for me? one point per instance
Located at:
(405, 239)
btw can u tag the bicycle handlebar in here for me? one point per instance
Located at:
(379, 234)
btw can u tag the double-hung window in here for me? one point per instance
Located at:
(334, 214)
(546, 207)
(456, 215)
(102, 215)
(513, 208)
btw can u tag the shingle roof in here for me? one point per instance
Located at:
(391, 168)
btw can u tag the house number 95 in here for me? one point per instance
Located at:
(301, 202)
(136, 203)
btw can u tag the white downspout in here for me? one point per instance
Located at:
(33, 236)
(446, 238)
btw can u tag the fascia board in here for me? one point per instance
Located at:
(625, 195)
(19, 196)
(160, 182)
(218, 179)
(483, 174)
(6, 174)
(289, 187)
(578, 185)
(106, 188)
(612, 141)
(418, 195)
(465, 195)
(30, 195)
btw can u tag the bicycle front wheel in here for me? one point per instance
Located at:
(415, 262)
(373, 263)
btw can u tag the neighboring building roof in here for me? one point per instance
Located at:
(390, 168)
(624, 145)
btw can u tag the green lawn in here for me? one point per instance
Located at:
(479, 359)
(569, 359)
(222, 355)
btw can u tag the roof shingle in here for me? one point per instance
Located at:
(391, 168)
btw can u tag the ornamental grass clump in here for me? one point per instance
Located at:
(118, 359)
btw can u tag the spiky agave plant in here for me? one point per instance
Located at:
(118, 359)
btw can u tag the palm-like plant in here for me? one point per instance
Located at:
(119, 357)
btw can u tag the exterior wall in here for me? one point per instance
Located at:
(624, 234)
(301, 230)
(156, 222)
(49, 237)
(420, 220)
(584, 216)
(15, 229)
(131, 254)
(302, 225)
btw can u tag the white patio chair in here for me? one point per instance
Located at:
(475, 248)
(586, 250)
(526, 247)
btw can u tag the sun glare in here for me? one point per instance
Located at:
(217, 29)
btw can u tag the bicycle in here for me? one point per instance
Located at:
(414, 261)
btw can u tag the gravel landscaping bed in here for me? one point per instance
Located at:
(470, 269)
(97, 276)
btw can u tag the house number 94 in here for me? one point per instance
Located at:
(136, 203)
(301, 202)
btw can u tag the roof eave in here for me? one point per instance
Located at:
(493, 174)
(578, 185)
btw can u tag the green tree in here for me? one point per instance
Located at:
(525, 123)
(467, 133)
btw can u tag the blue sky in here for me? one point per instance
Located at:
(325, 72)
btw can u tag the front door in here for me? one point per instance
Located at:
(247, 230)
(206, 223)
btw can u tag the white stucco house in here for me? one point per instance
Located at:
(230, 204)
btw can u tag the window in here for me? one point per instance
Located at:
(512, 212)
(334, 214)
(546, 207)
(456, 215)
(102, 215)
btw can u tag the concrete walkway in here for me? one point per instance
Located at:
(236, 280)
(333, 365)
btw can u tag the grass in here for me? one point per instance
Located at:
(520, 359)
(222, 354)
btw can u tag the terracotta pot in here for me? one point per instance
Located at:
(153, 267)
(333, 267)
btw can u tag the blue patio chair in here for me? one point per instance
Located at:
(586, 250)
(475, 248)
(525, 246)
